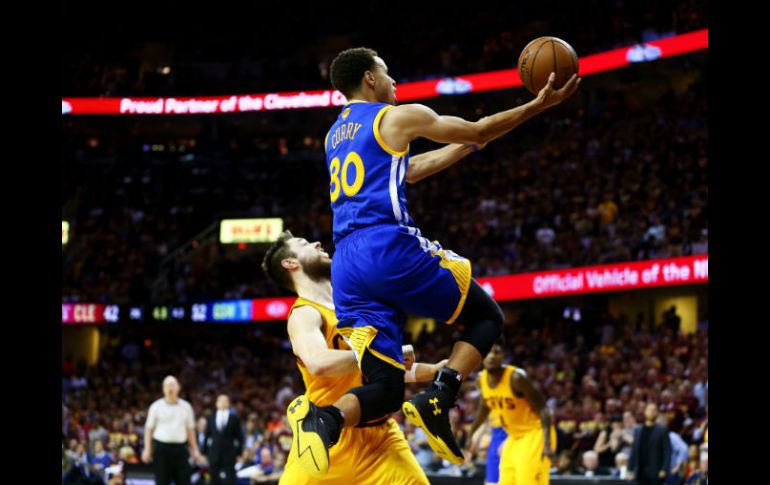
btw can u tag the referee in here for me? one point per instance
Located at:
(169, 428)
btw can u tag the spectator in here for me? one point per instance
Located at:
(591, 466)
(266, 463)
(651, 454)
(98, 433)
(700, 388)
(251, 433)
(224, 442)
(285, 394)
(71, 450)
(679, 454)
(620, 470)
(79, 472)
(608, 210)
(200, 432)
(693, 461)
(99, 460)
(629, 428)
(671, 320)
(564, 464)
(608, 443)
(700, 477)
(260, 451)
(282, 437)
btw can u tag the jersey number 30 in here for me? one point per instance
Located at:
(340, 181)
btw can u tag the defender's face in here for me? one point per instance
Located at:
(384, 85)
(494, 359)
(308, 252)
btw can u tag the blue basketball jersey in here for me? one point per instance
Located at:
(368, 178)
(383, 268)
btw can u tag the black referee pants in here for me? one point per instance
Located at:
(171, 463)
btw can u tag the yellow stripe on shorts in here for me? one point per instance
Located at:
(360, 339)
(461, 270)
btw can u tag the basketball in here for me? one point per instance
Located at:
(543, 56)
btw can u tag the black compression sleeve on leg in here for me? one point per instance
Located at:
(482, 318)
(383, 391)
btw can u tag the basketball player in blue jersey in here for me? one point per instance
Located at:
(384, 268)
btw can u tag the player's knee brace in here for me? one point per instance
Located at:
(383, 392)
(483, 319)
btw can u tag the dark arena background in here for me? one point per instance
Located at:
(186, 152)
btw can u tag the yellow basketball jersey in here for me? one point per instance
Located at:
(325, 391)
(514, 413)
(494, 419)
(494, 413)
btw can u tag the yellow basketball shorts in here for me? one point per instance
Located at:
(522, 461)
(367, 456)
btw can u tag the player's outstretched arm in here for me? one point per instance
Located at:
(404, 123)
(520, 384)
(309, 345)
(422, 372)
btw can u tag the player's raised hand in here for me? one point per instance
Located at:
(422, 372)
(440, 365)
(548, 96)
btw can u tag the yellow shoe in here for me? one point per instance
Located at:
(430, 411)
(310, 444)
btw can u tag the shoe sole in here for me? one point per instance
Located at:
(307, 446)
(435, 442)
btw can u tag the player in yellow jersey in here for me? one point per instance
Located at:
(525, 458)
(497, 435)
(372, 453)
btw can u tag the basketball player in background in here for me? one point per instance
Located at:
(508, 393)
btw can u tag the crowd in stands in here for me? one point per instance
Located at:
(620, 174)
(597, 376)
(228, 61)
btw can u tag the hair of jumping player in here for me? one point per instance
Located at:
(271, 263)
(348, 68)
